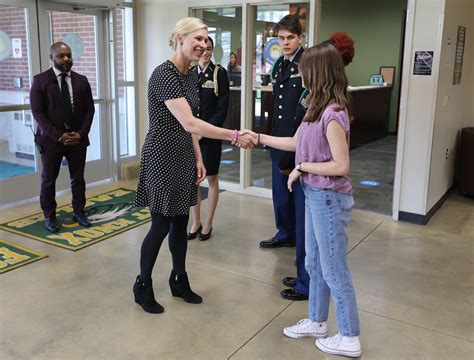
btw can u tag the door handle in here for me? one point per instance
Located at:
(26, 100)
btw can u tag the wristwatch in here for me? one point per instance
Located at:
(298, 167)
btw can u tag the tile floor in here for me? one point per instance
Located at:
(415, 288)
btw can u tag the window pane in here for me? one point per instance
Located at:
(124, 40)
(79, 32)
(225, 28)
(94, 149)
(127, 128)
(14, 56)
(267, 51)
(17, 148)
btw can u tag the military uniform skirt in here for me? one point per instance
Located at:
(211, 155)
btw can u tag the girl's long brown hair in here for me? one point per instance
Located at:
(322, 69)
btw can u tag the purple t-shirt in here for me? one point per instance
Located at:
(312, 146)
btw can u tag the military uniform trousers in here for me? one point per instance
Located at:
(289, 208)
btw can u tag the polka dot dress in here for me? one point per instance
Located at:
(168, 165)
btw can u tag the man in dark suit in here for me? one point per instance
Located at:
(62, 105)
(288, 206)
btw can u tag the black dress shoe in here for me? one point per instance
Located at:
(51, 224)
(274, 243)
(289, 281)
(292, 294)
(192, 235)
(204, 237)
(81, 219)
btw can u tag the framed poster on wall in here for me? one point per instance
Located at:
(388, 73)
(423, 63)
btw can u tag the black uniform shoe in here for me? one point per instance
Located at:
(192, 235)
(51, 224)
(289, 281)
(81, 219)
(292, 294)
(204, 237)
(274, 243)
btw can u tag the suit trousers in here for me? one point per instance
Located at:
(51, 159)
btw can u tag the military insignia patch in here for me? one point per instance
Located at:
(209, 84)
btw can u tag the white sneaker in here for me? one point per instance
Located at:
(340, 345)
(306, 328)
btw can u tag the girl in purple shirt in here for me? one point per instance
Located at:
(322, 158)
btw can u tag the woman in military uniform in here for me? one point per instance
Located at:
(214, 102)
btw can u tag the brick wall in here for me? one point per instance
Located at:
(13, 23)
(63, 23)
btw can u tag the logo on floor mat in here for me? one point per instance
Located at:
(110, 213)
(13, 256)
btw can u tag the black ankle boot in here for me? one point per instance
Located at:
(145, 297)
(179, 285)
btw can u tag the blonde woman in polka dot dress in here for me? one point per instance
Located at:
(171, 161)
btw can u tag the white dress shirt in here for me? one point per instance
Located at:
(203, 70)
(293, 56)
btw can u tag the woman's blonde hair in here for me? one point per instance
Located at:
(185, 26)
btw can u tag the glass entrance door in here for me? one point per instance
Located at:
(23, 27)
(225, 28)
(267, 51)
(84, 31)
(19, 59)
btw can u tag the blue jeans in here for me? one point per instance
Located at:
(327, 214)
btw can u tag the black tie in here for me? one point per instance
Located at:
(67, 106)
(286, 62)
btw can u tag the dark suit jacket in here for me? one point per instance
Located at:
(287, 89)
(47, 108)
(213, 109)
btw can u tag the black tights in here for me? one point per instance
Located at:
(177, 240)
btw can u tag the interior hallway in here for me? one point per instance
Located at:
(415, 288)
